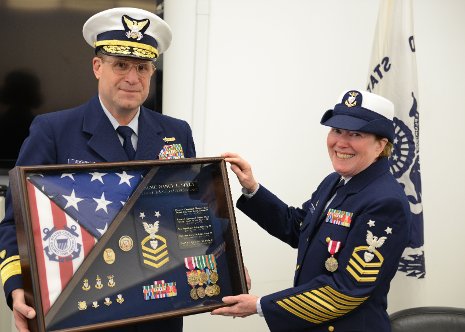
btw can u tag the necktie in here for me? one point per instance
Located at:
(338, 185)
(331, 196)
(126, 132)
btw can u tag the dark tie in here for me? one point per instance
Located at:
(126, 132)
(338, 185)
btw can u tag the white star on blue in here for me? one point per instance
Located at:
(87, 197)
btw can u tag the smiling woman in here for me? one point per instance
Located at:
(361, 128)
(347, 255)
(352, 151)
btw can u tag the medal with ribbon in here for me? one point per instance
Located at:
(333, 247)
(201, 263)
(212, 289)
(192, 275)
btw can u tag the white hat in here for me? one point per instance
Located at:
(129, 32)
(362, 111)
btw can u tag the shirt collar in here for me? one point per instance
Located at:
(134, 124)
(346, 179)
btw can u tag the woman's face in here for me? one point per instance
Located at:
(352, 151)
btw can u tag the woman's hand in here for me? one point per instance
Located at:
(238, 306)
(242, 169)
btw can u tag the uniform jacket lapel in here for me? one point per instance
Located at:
(104, 139)
(312, 221)
(150, 139)
(360, 181)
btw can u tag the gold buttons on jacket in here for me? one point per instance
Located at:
(297, 267)
(330, 328)
(328, 239)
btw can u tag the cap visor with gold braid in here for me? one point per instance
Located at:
(128, 32)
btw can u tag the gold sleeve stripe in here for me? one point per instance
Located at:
(328, 303)
(333, 300)
(320, 305)
(314, 311)
(10, 270)
(302, 311)
(360, 279)
(343, 296)
(296, 313)
(9, 259)
(317, 306)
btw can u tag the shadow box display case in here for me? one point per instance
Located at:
(112, 244)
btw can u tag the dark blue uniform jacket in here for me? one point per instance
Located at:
(369, 218)
(84, 135)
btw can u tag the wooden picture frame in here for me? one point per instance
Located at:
(112, 244)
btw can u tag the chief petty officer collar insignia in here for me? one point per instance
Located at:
(353, 98)
(135, 28)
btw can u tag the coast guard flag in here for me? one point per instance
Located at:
(61, 245)
(393, 74)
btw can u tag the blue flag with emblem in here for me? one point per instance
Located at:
(393, 74)
(91, 198)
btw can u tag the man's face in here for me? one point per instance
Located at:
(123, 82)
(352, 151)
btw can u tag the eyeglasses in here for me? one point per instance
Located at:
(123, 67)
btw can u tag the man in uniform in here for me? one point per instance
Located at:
(110, 127)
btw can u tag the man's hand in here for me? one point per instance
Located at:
(21, 311)
(239, 306)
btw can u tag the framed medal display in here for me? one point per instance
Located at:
(112, 244)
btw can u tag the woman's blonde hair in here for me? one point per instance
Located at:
(387, 149)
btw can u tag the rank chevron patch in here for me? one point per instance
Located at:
(364, 264)
(320, 305)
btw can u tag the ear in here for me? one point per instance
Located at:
(97, 67)
(382, 143)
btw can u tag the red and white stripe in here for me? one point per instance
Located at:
(333, 246)
(53, 276)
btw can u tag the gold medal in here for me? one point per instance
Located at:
(201, 292)
(125, 243)
(193, 278)
(333, 247)
(194, 295)
(203, 278)
(109, 256)
(217, 289)
(331, 264)
(210, 290)
(214, 277)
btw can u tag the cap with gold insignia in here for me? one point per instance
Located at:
(129, 32)
(362, 111)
